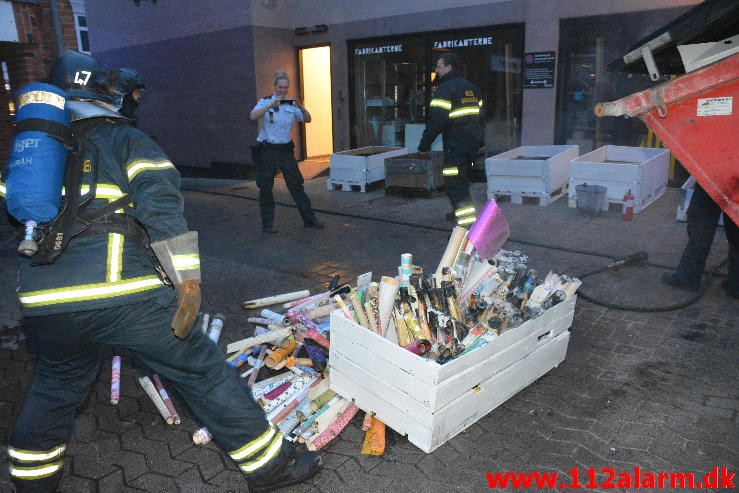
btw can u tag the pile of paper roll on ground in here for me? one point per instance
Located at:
(477, 292)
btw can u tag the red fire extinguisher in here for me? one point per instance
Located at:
(627, 211)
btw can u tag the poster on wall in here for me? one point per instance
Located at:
(538, 69)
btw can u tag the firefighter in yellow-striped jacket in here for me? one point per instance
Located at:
(104, 289)
(455, 112)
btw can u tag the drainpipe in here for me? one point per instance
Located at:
(57, 27)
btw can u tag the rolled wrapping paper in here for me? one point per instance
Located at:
(273, 300)
(305, 301)
(279, 354)
(344, 308)
(258, 340)
(358, 309)
(322, 386)
(260, 358)
(259, 320)
(313, 332)
(277, 391)
(115, 380)
(372, 307)
(165, 398)
(287, 407)
(318, 357)
(403, 334)
(264, 386)
(490, 230)
(288, 424)
(298, 385)
(321, 311)
(310, 423)
(276, 318)
(453, 247)
(201, 436)
(479, 272)
(322, 399)
(204, 327)
(333, 430)
(151, 391)
(374, 438)
(388, 289)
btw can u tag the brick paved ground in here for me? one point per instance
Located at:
(655, 390)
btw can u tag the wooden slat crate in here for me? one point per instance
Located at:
(431, 403)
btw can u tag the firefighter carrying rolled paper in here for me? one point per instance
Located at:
(455, 112)
(104, 289)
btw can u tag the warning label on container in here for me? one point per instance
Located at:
(715, 106)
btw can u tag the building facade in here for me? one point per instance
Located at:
(540, 65)
(28, 47)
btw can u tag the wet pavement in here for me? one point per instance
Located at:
(655, 390)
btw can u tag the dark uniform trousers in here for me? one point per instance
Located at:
(272, 157)
(703, 215)
(459, 154)
(69, 346)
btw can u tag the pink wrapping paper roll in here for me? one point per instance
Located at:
(490, 230)
(334, 429)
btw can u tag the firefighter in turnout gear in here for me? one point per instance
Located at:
(105, 290)
(455, 112)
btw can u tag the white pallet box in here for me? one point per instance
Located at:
(530, 171)
(619, 168)
(360, 167)
(431, 403)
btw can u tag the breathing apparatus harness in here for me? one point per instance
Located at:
(74, 220)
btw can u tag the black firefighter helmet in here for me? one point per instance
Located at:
(129, 80)
(82, 77)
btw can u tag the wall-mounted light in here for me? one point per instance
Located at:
(320, 28)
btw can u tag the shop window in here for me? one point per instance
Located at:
(587, 45)
(392, 84)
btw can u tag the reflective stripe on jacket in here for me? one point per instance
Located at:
(110, 269)
(456, 110)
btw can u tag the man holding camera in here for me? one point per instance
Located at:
(275, 150)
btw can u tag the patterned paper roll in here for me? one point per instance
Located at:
(333, 430)
(321, 311)
(276, 318)
(257, 340)
(404, 337)
(115, 380)
(344, 308)
(165, 398)
(260, 358)
(206, 319)
(201, 436)
(374, 438)
(259, 320)
(490, 230)
(151, 391)
(459, 234)
(479, 272)
(406, 269)
(358, 309)
(388, 289)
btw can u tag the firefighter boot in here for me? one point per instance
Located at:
(298, 466)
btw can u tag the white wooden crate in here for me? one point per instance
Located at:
(530, 171)
(431, 403)
(359, 167)
(618, 168)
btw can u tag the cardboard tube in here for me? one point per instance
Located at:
(273, 300)
(388, 289)
(456, 241)
(358, 309)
